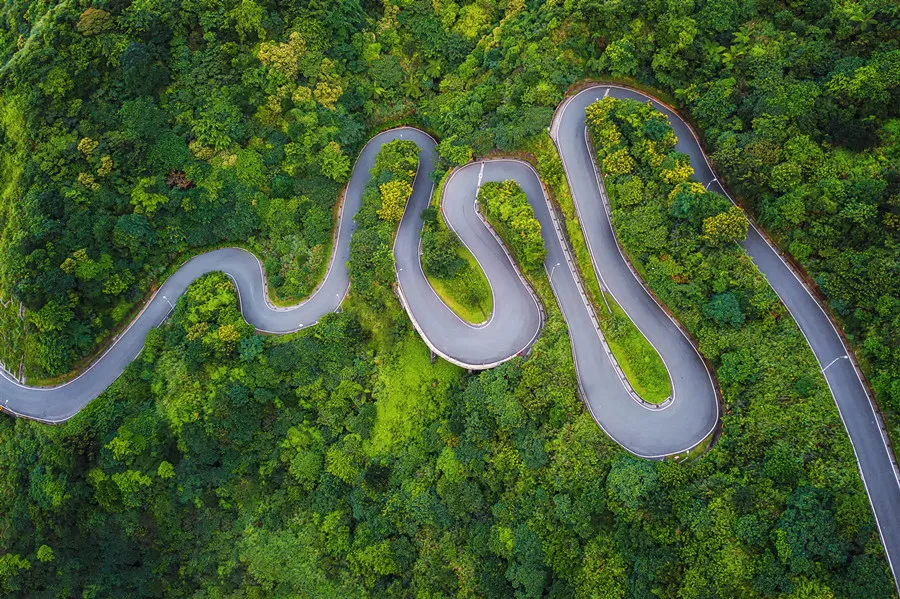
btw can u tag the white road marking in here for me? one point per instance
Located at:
(551, 271)
(833, 361)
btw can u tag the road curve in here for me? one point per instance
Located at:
(511, 329)
(645, 431)
(874, 456)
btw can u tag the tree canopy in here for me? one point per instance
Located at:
(340, 461)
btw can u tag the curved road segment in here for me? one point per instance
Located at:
(876, 464)
(693, 412)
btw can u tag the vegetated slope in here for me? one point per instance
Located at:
(235, 122)
(512, 486)
(130, 140)
(784, 85)
(339, 461)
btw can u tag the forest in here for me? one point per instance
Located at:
(340, 461)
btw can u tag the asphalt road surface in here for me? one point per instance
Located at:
(874, 457)
(686, 420)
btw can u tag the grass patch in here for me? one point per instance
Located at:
(451, 268)
(638, 359)
(640, 362)
(697, 450)
(410, 393)
(467, 293)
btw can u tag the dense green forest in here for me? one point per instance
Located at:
(340, 461)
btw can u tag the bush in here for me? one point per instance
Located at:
(506, 206)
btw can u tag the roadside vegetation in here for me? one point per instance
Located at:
(340, 462)
(506, 207)
(639, 360)
(371, 265)
(12, 335)
(450, 267)
(130, 136)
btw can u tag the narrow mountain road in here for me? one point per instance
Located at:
(508, 333)
(651, 432)
(876, 461)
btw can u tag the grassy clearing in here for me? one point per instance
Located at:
(410, 393)
(638, 359)
(467, 291)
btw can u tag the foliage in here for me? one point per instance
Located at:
(798, 103)
(339, 462)
(383, 204)
(440, 247)
(726, 304)
(394, 195)
(638, 359)
(726, 227)
(506, 485)
(335, 164)
(506, 206)
(127, 97)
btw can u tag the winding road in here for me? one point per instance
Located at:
(679, 424)
(876, 462)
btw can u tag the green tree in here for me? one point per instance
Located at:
(394, 195)
(725, 308)
(726, 227)
(619, 58)
(335, 164)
